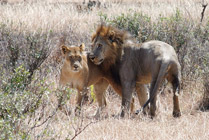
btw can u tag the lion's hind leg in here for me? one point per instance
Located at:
(174, 77)
(142, 91)
(157, 80)
(176, 85)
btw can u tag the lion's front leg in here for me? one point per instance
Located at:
(127, 78)
(127, 89)
(99, 89)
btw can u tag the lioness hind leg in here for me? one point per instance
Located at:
(99, 89)
(142, 96)
(176, 108)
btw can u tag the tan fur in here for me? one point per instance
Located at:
(82, 78)
(133, 65)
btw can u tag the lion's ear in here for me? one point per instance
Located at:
(64, 49)
(112, 36)
(82, 47)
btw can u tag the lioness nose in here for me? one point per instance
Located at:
(75, 66)
(91, 56)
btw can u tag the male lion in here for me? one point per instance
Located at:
(130, 63)
(77, 72)
(80, 72)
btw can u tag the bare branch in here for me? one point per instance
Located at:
(44, 120)
(81, 130)
(203, 10)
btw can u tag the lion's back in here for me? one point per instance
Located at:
(159, 49)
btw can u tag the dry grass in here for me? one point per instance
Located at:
(193, 124)
(59, 16)
(164, 128)
(79, 25)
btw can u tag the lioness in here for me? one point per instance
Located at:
(119, 55)
(80, 72)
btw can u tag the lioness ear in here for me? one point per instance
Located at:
(82, 47)
(93, 37)
(64, 49)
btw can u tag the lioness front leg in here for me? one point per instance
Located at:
(81, 99)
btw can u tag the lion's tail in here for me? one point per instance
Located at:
(160, 77)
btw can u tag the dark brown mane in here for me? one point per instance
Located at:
(112, 34)
(117, 40)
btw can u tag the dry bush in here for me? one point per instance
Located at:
(204, 105)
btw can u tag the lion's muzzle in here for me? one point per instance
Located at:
(96, 60)
(92, 57)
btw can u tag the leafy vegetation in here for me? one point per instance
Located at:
(17, 100)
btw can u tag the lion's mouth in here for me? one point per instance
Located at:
(100, 61)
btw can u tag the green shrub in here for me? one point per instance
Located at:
(17, 100)
(137, 24)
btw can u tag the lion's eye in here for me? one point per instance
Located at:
(99, 46)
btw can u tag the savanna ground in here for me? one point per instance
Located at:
(30, 62)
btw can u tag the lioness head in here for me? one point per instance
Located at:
(73, 57)
(106, 44)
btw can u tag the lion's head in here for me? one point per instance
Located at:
(73, 57)
(107, 45)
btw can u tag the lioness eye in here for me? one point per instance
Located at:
(79, 59)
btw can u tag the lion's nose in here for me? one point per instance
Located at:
(92, 57)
